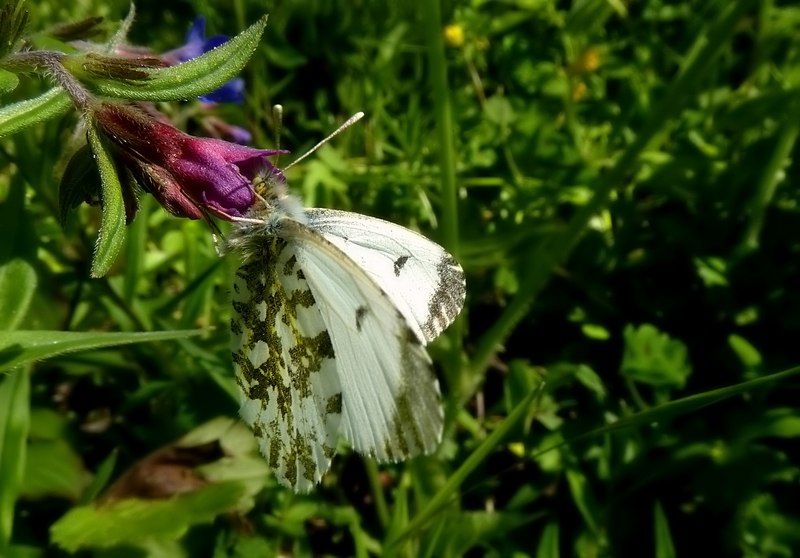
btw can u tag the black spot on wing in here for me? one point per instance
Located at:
(361, 311)
(399, 263)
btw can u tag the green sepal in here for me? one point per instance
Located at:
(111, 236)
(18, 116)
(79, 183)
(83, 29)
(189, 79)
(94, 68)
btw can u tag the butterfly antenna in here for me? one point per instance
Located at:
(277, 118)
(349, 122)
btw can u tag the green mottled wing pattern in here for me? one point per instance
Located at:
(391, 404)
(284, 363)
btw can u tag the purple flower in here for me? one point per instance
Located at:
(188, 175)
(197, 44)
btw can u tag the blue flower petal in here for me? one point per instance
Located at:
(230, 92)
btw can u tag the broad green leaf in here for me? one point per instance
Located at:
(21, 347)
(112, 225)
(52, 468)
(17, 285)
(242, 463)
(654, 358)
(663, 539)
(24, 551)
(134, 521)
(14, 425)
(18, 116)
(192, 78)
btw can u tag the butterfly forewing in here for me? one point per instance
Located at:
(391, 405)
(422, 280)
(284, 363)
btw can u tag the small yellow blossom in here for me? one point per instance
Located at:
(589, 61)
(579, 91)
(454, 35)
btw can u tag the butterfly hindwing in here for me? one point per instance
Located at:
(423, 281)
(391, 404)
(285, 367)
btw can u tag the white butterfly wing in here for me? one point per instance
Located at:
(423, 281)
(283, 359)
(391, 404)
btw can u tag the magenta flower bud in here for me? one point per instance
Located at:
(188, 175)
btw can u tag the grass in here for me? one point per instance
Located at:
(618, 182)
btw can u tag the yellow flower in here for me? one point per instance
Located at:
(589, 61)
(579, 91)
(454, 35)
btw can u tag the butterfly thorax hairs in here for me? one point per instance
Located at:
(273, 206)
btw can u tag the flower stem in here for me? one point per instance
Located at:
(51, 64)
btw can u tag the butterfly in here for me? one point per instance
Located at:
(331, 314)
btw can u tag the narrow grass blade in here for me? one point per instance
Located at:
(22, 347)
(14, 425)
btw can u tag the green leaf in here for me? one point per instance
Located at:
(663, 539)
(52, 468)
(13, 18)
(19, 238)
(21, 115)
(14, 425)
(192, 78)
(21, 347)
(18, 248)
(653, 358)
(583, 497)
(548, 543)
(79, 183)
(134, 522)
(8, 81)
(112, 225)
(17, 285)
(101, 478)
(747, 353)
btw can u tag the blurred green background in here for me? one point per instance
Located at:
(618, 180)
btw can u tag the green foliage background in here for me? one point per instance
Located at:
(618, 181)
